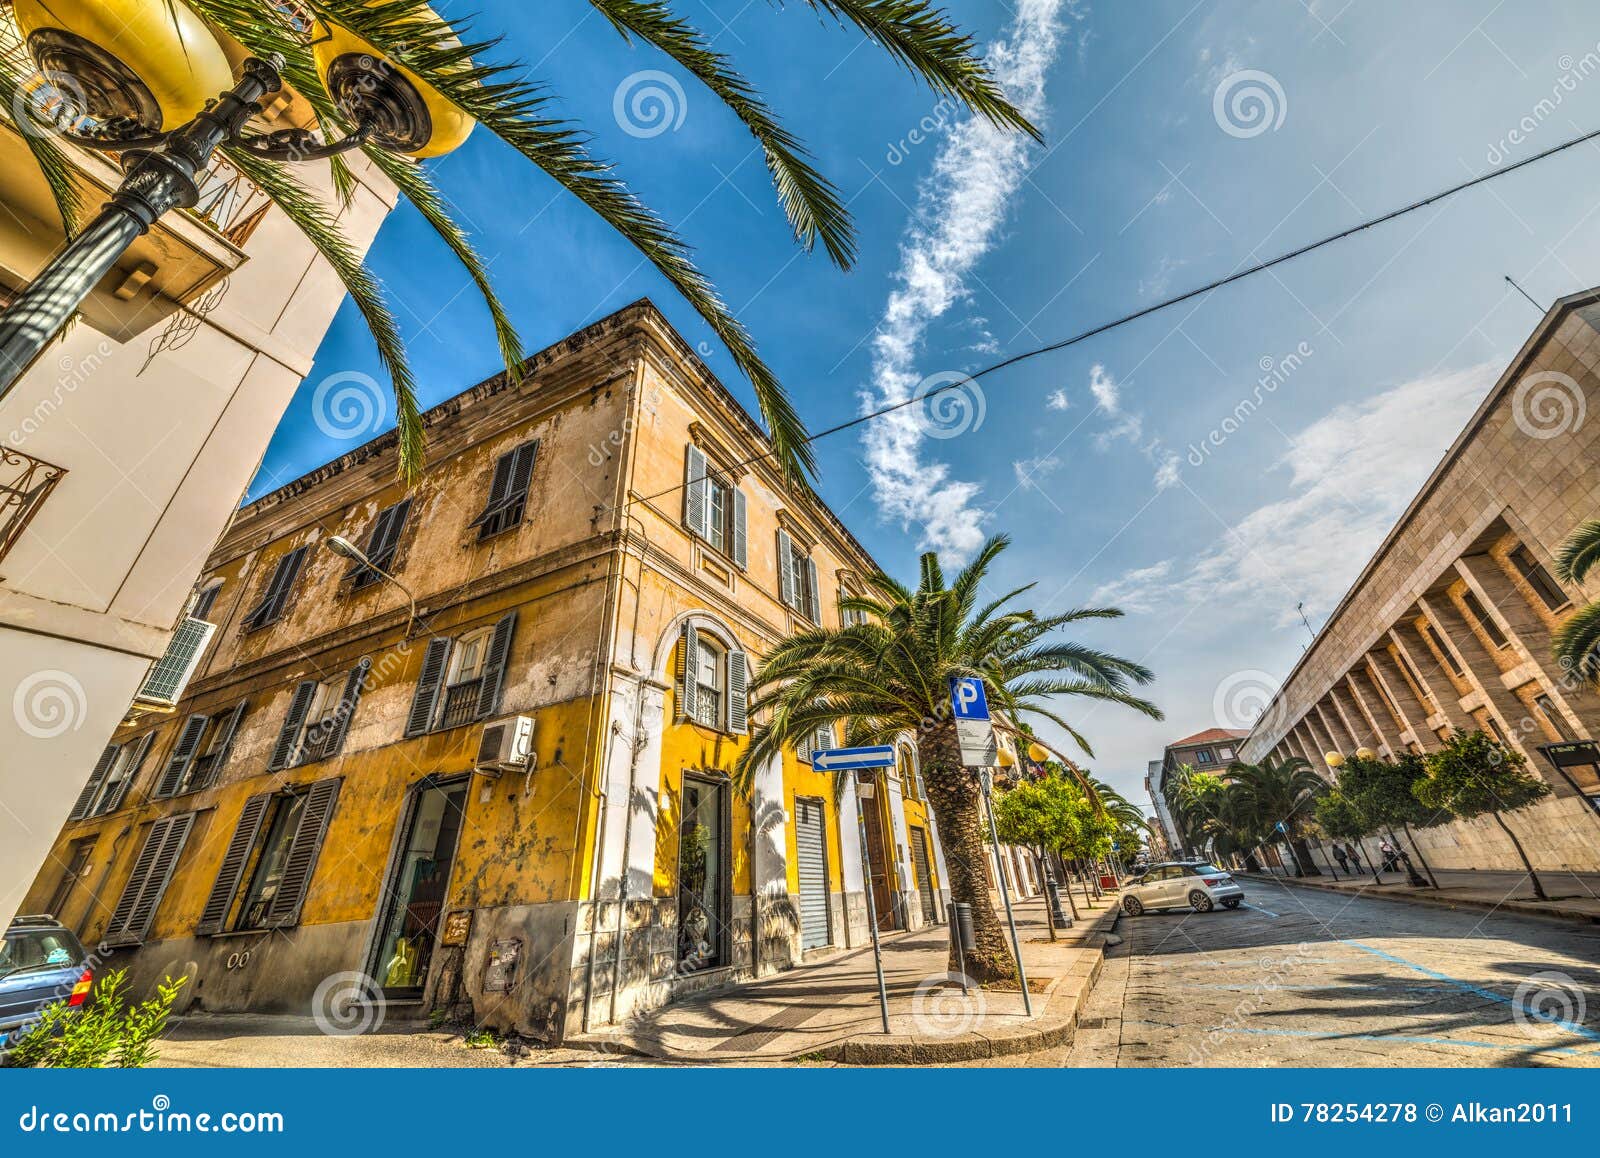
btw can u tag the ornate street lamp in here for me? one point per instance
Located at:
(151, 79)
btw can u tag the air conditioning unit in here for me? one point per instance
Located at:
(506, 746)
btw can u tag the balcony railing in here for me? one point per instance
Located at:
(25, 483)
(460, 704)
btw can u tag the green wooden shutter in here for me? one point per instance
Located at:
(494, 666)
(288, 745)
(301, 862)
(688, 655)
(183, 753)
(226, 886)
(423, 700)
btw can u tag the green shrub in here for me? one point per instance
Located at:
(106, 1032)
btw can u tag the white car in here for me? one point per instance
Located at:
(1188, 884)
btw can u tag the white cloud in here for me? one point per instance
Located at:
(1058, 400)
(1031, 471)
(1137, 591)
(1107, 394)
(1352, 473)
(960, 210)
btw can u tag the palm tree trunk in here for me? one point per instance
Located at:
(1538, 886)
(957, 808)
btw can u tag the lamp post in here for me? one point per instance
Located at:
(345, 549)
(389, 107)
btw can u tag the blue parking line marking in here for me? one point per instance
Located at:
(1259, 909)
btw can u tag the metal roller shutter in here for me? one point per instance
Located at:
(811, 847)
(919, 863)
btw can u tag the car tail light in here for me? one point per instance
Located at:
(80, 991)
(1215, 880)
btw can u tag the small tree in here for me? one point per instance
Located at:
(1473, 775)
(1383, 791)
(108, 1032)
(1043, 815)
(1341, 818)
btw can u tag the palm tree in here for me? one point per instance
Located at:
(1577, 641)
(1284, 792)
(889, 675)
(504, 100)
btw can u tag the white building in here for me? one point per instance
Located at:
(124, 452)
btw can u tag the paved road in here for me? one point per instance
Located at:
(1308, 978)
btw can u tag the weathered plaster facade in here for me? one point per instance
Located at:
(1449, 625)
(575, 866)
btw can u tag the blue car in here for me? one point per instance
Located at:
(41, 962)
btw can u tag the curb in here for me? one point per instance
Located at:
(1519, 908)
(1042, 1033)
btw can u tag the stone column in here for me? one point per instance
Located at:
(1435, 682)
(1482, 672)
(1386, 674)
(1531, 638)
(1334, 729)
(1356, 723)
(1377, 717)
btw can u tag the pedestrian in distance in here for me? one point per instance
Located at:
(1389, 856)
(1354, 854)
(1340, 856)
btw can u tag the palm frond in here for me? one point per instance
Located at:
(52, 162)
(313, 219)
(1579, 553)
(809, 199)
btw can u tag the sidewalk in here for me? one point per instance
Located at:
(1574, 896)
(829, 1011)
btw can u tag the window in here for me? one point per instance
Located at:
(147, 882)
(1446, 656)
(1499, 732)
(797, 579)
(909, 778)
(709, 662)
(508, 491)
(714, 509)
(272, 861)
(383, 542)
(850, 617)
(275, 599)
(1546, 588)
(203, 746)
(113, 775)
(1552, 714)
(462, 679)
(1203, 756)
(272, 855)
(77, 868)
(205, 600)
(1486, 622)
(712, 683)
(1225, 753)
(319, 718)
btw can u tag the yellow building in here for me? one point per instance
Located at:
(600, 554)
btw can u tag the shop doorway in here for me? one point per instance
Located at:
(811, 849)
(878, 861)
(414, 895)
(703, 898)
(924, 873)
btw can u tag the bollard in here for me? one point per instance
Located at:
(961, 930)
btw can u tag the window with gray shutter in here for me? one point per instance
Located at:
(786, 575)
(695, 492)
(508, 491)
(220, 903)
(688, 660)
(290, 897)
(741, 531)
(355, 683)
(424, 699)
(205, 601)
(211, 760)
(383, 543)
(124, 772)
(183, 753)
(96, 778)
(738, 693)
(276, 597)
(152, 872)
(494, 666)
(286, 751)
(813, 605)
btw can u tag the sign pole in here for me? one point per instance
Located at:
(986, 781)
(872, 911)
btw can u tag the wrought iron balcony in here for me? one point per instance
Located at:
(25, 483)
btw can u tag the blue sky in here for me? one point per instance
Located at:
(1184, 140)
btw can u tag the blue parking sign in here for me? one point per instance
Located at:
(967, 698)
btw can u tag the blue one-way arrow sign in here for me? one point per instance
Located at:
(850, 759)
